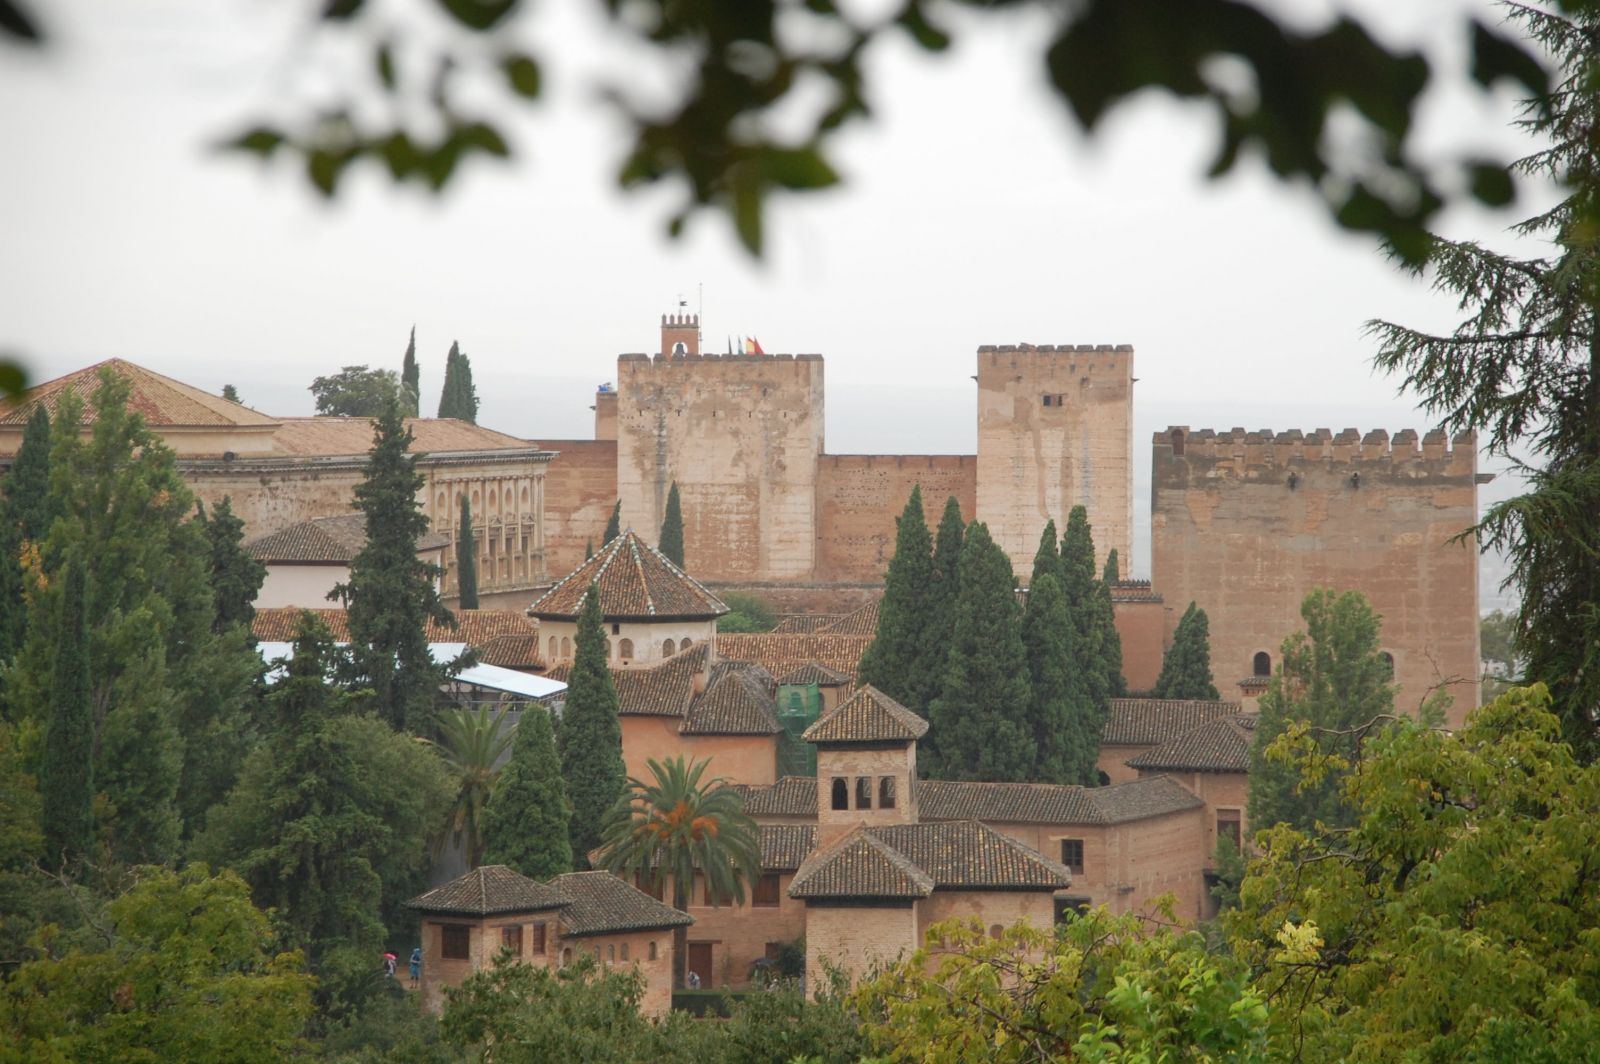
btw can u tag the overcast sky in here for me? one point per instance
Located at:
(973, 214)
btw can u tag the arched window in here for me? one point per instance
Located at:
(553, 649)
(995, 930)
(1388, 664)
(667, 649)
(652, 949)
(624, 951)
(841, 793)
(627, 650)
(686, 644)
(608, 650)
(1177, 443)
(886, 792)
(566, 647)
(611, 952)
(1262, 665)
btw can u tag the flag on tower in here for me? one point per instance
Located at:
(752, 346)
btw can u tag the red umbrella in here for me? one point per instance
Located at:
(389, 956)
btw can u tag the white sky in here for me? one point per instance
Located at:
(973, 213)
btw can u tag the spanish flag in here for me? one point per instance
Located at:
(752, 346)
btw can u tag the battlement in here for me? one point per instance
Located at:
(681, 358)
(1268, 448)
(1052, 349)
(690, 321)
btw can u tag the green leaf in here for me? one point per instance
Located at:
(400, 155)
(914, 20)
(798, 168)
(261, 141)
(522, 74)
(13, 379)
(16, 22)
(1494, 57)
(341, 10)
(478, 15)
(482, 137)
(323, 168)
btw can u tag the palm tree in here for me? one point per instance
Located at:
(473, 743)
(667, 831)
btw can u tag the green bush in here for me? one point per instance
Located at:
(746, 613)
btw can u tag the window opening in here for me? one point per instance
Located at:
(511, 939)
(886, 792)
(841, 793)
(1072, 855)
(1228, 826)
(455, 942)
(765, 893)
(863, 792)
(1262, 665)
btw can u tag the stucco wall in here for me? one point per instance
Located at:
(1002, 907)
(580, 490)
(1112, 761)
(648, 639)
(632, 949)
(306, 586)
(1037, 461)
(859, 497)
(1246, 524)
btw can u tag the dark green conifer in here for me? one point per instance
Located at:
(941, 623)
(1047, 559)
(1110, 641)
(895, 661)
(1111, 574)
(66, 773)
(235, 576)
(392, 594)
(528, 820)
(671, 543)
(24, 518)
(466, 558)
(1065, 749)
(588, 549)
(982, 714)
(230, 393)
(590, 737)
(458, 399)
(1077, 580)
(613, 526)
(1186, 668)
(411, 379)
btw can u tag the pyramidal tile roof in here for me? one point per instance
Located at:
(735, 703)
(635, 581)
(491, 889)
(793, 796)
(868, 716)
(325, 539)
(602, 904)
(811, 672)
(913, 860)
(160, 400)
(1221, 745)
(1152, 721)
(860, 865)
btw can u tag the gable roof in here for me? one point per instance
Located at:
(811, 672)
(860, 865)
(635, 582)
(736, 702)
(490, 889)
(277, 624)
(782, 653)
(908, 861)
(1014, 803)
(1141, 799)
(602, 904)
(335, 539)
(863, 620)
(868, 716)
(794, 796)
(1152, 721)
(161, 401)
(785, 847)
(1221, 745)
(333, 437)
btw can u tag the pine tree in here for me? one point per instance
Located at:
(1111, 574)
(613, 526)
(458, 398)
(1186, 669)
(230, 393)
(981, 716)
(528, 819)
(411, 379)
(1064, 747)
(590, 737)
(894, 662)
(24, 519)
(671, 542)
(236, 577)
(392, 594)
(466, 558)
(66, 773)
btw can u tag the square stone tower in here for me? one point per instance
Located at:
(1055, 430)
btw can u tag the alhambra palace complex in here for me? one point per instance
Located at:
(859, 855)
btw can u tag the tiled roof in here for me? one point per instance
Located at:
(663, 690)
(861, 621)
(329, 437)
(737, 699)
(868, 716)
(1013, 803)
(1152, 721)
(1134, 591)
(811, 672)
(912, 860)
(785, 847)
(635, 582)
(781, 654)
(602, 904)
(325, 539)
(736, 702)
(861, 865)
(1142, 799)
(802, 623)
(791, 796)
(511, 650)
(277, 624)
(1221, 745)
(161, 401)
(491, 889)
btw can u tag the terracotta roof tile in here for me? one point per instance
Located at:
(635, 582)
(473, 627)
(332, 437)
(860, 866)
(785, 847)
(1152, 721)
(794, 796)
(663, 690)
(1134, 591)
(868, 716)
(512, 651)
(861, 621)
(602, 904)
(735, 702)
(811, 672)
(1221, 745)
(802, 623)
(325, 539)
(781, 654)
(161, 401)
(912, 860)
(1014, 803)
(1143, 798)
(491, 889)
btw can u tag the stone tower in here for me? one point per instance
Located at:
(1055, 430)
(1246, 523)
(741, 435)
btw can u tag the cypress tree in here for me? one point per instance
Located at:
(1111, 573)
(588, 549)
(590, 737)
(230, 393)
(1110, 641)
(613, 526)
(981, 717)
(671, 542)
(941, 622)
(235, 576)
(528, 817)
(392, 594)
(24, 519)
(466, 558)
(1046, 560)
(411, 379)
(894, 663)
(458, 398)
(1077, 580)
(1065, 748)
(1186, 669)
(66, 773)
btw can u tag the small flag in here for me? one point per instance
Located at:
(730, 345)
(755, 347)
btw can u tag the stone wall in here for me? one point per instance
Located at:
(859, 496)
(740, 435)
(1055, 429)
(1144, 624)
(580, 490)
(1247, 523)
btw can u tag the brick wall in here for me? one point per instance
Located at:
(1003, 907)
(739, 934)
(1143, 627)
(851, 763)
(860, 496)
(749, 759)
(855, 938)
(580, 490)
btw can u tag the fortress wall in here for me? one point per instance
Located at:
(860, 496)
(740, 434)
(1055, 429)
(580, 489)
(1246, 523)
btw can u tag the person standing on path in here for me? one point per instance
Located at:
(416, 967)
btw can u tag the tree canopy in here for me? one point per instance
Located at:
(897, 659)
(671, 539)
(355, 391)
(466, 558)
(590, 737)
(458, 398)
(528, 819)
(411, 379)
(1186, 668)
